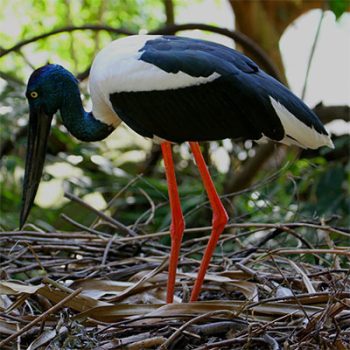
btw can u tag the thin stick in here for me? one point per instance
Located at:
(152, 210)
(105, 253)
(193, 320)
(304, 297)
(146, 343)
(59, 235)
(111, 202)
(314, 251)
(57, 285)
(313, 48)
(41, 317)
(102, 215)
(81, 226)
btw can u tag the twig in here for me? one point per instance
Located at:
(291, 289)
(225, 343)
(193, 320)
(152, 210)
(313, 48)
(308, 285)
(46, 265)
(102, 215)
(319, 297)
(67, 29)
(146, 343)
(314, 251)
(128, 322)
(60, 235)
(105, 253)
(271, 341)
(117, 195)
(81, 226)
(140, 282)
(57, 285)
(42, 317)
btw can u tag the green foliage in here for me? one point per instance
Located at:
(338, 7)
(74, 50)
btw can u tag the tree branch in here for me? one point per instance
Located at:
(64, 30)
(240, 38)
(169, 12)
(330, 113)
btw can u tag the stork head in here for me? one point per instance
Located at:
(44, 94)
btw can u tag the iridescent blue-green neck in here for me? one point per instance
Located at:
(81, 124)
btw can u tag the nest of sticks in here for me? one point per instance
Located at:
(89, 289)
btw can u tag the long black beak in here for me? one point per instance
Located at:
(38, 133)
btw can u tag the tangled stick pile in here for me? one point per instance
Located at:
(92, 290)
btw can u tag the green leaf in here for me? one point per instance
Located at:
(338, 7)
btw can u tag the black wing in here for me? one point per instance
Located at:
(235, 105)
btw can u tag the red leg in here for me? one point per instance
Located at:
(177, 221)
(219, 220)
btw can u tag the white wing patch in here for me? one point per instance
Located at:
(118, 68)
(298, 133)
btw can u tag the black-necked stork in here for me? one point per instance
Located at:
(171, 89)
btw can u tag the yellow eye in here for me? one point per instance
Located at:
(34, 94)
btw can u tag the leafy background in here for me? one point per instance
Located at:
(304, 186)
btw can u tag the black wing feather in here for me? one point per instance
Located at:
(235, 105)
